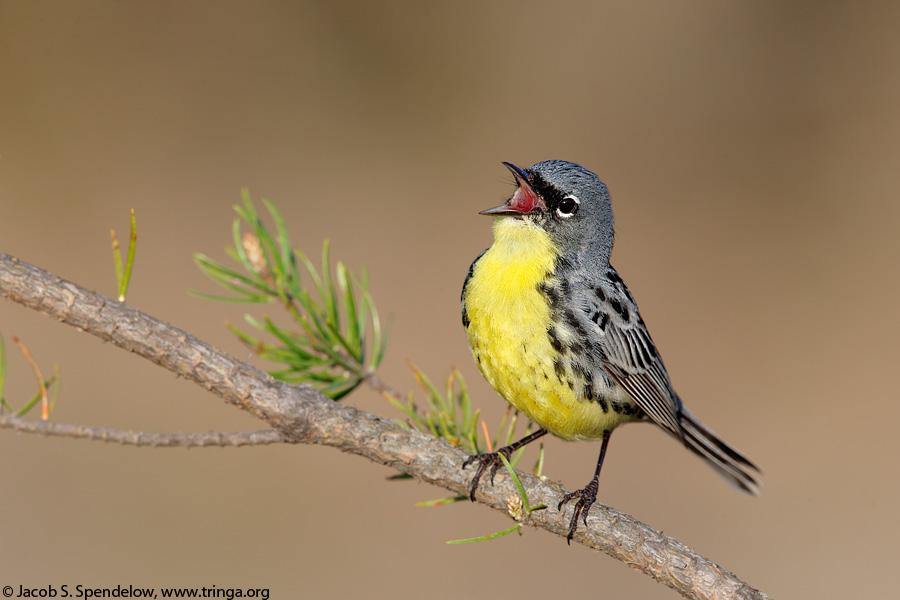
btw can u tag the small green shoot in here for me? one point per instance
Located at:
(123, 275)
(335, 340)
(448, 415)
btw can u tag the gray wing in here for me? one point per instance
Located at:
(625, 350)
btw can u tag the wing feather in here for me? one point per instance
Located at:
(631, 360)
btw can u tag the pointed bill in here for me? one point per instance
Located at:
(523, 201)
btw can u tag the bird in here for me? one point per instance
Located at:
(556, 332)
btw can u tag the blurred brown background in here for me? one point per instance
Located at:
(751, 149)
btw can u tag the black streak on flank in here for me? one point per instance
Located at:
(548, 290)
(462, 295)
(559, 368)
(587, 392)
(600, 293)
(604, 405)
(626, 408)
(574, 324)
(588, 389)
(554, 340)
(613, 276)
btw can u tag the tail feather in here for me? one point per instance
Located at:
(728, 462)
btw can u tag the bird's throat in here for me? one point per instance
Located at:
(521, 256)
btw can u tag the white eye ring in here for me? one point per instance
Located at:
(566, 215)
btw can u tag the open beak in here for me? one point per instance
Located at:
(524, 201)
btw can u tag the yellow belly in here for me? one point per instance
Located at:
(508, 320)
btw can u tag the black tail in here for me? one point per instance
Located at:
(728, 462)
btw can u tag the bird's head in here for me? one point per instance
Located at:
(567, 201)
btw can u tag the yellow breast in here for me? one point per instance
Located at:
(508, 320)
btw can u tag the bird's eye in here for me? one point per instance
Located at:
(567, 207)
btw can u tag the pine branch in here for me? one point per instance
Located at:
(303, 415)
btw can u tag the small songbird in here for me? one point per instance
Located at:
(555, 331)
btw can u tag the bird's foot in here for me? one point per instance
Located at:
(585, 498)
(488, 459)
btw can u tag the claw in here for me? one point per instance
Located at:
(493, 459)
(586, 498)
(483, 460)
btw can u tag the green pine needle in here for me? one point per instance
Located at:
(330, 335)
(492, 536)
(123, 274)
(441, 501)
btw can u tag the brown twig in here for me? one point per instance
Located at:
(303, 415)
(137, 438)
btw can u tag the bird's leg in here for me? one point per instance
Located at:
(492, 459)
(587, 496)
